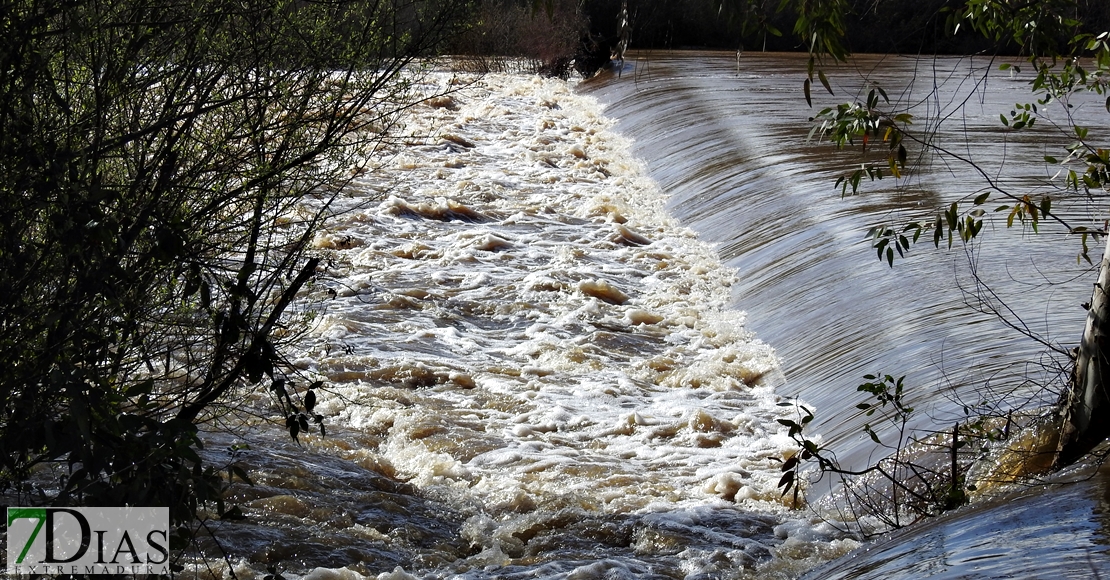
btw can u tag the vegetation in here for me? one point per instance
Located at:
(888, 26)
(513, 36)
(921, 475)
(162, 167)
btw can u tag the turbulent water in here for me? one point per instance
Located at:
(537, 364)
(532, 370)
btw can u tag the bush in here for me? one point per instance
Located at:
(156, 163)
(513, 36)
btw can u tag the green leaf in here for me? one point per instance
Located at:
(187, 453)
(824, 81)
(293, 425)
(880, 247)
(951, 216)
(805, 89)
(141, 388)
(241, 474)
(981, 198)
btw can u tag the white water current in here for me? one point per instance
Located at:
(511, 324)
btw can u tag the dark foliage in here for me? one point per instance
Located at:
(878, 26)
(156, 158)
(510, 35)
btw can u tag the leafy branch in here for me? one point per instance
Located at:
(906, 484)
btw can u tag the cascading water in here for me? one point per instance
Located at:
(535, 371)
(727, 143)
(531, 370)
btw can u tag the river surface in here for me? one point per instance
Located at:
(729, 147)
(536, 334)
(726, 138)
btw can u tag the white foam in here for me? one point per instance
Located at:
(553, 331)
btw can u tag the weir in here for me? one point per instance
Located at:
(536, 367)
(728, 144)
(730, 150)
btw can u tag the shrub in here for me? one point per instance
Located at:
(155, 163)
(513, 36)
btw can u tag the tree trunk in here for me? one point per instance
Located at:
(1085, 408)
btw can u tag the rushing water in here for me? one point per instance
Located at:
(538, 360)
(726, 139)
(729, 147)
(532, 371)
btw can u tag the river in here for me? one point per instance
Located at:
(726, 138)
(536, 331)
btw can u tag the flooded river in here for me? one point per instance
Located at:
(560, 325)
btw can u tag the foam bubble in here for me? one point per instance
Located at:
(517, 326)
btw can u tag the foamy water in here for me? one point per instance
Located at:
(512, 324)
